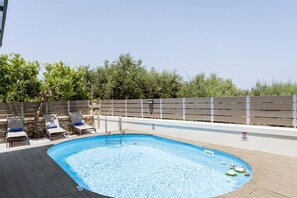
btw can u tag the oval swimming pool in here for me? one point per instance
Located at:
(148, 166)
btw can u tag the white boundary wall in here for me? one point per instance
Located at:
(277, 140)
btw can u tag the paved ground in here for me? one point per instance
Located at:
(27, 171)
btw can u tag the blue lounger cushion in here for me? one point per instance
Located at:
(15, 129)
(79, 123)
(51, 126)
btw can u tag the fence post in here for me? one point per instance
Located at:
(141, 104)
(161, 110)
(212, 109)
(68, 105)
(22, 109)
(248, 109)
(126, 112)
(184, 109)
(112, 107)
(294, 111)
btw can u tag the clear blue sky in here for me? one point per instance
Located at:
(242, 40)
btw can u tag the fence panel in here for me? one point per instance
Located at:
(172, 108)
(119, 108)
(106, 107)
(58, 107)
(198, 109)
(230, 110)
(79, 105)
(151, 108)
(272, 110)
(30, 109)
(10, 109)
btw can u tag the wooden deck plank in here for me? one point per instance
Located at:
(48, 177)
(2, 181)
(32, 173)
(24, 158)
(26, 189)
(11, 186)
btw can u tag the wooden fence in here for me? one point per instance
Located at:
(250, 110)
(28, 109)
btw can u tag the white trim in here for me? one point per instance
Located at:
(212, 109)
(126, 112)
(184, 109)
(161, 109)
(294, 111)
(141, 104)
(248, 110)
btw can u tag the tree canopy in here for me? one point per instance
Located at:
(64, 82)
(18, 78)
(124, 78)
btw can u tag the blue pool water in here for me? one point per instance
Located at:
(147, 166)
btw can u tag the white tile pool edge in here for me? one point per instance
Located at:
(276, 140)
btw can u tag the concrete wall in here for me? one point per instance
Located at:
(277, 140)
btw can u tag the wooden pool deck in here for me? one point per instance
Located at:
(30, 172)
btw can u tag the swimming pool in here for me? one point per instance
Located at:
(147, 166)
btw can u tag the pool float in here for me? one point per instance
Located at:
(247, 174)
(223, 163)
(232, 166)
(240, 170)
(231, 173)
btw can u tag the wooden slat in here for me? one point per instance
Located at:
(151, 115)
(230, 106)
(173, 116)
(106, 105)
(272, 121)
(119, 102)
(169, 106)
(153, 111)
(198, 100)
(271, 106)
(198, 117)
(119, 113)
(172, 100)
(197, 112)
(198, 106)
(133, 110)
(118, 105)
(230, 113)
(280, 114)
(170, 111)
(105, 102)
(271, 99)
(133, 105)
(229, 99)
(130, 114)
(134, 101)
(241, 120)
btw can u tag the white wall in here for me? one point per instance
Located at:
(276, 140)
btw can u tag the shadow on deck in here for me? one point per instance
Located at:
(32, 173)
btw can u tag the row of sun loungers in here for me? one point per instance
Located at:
(16, 130)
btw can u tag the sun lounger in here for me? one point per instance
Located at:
(15, 130)
(78, 123)
(52, 125)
